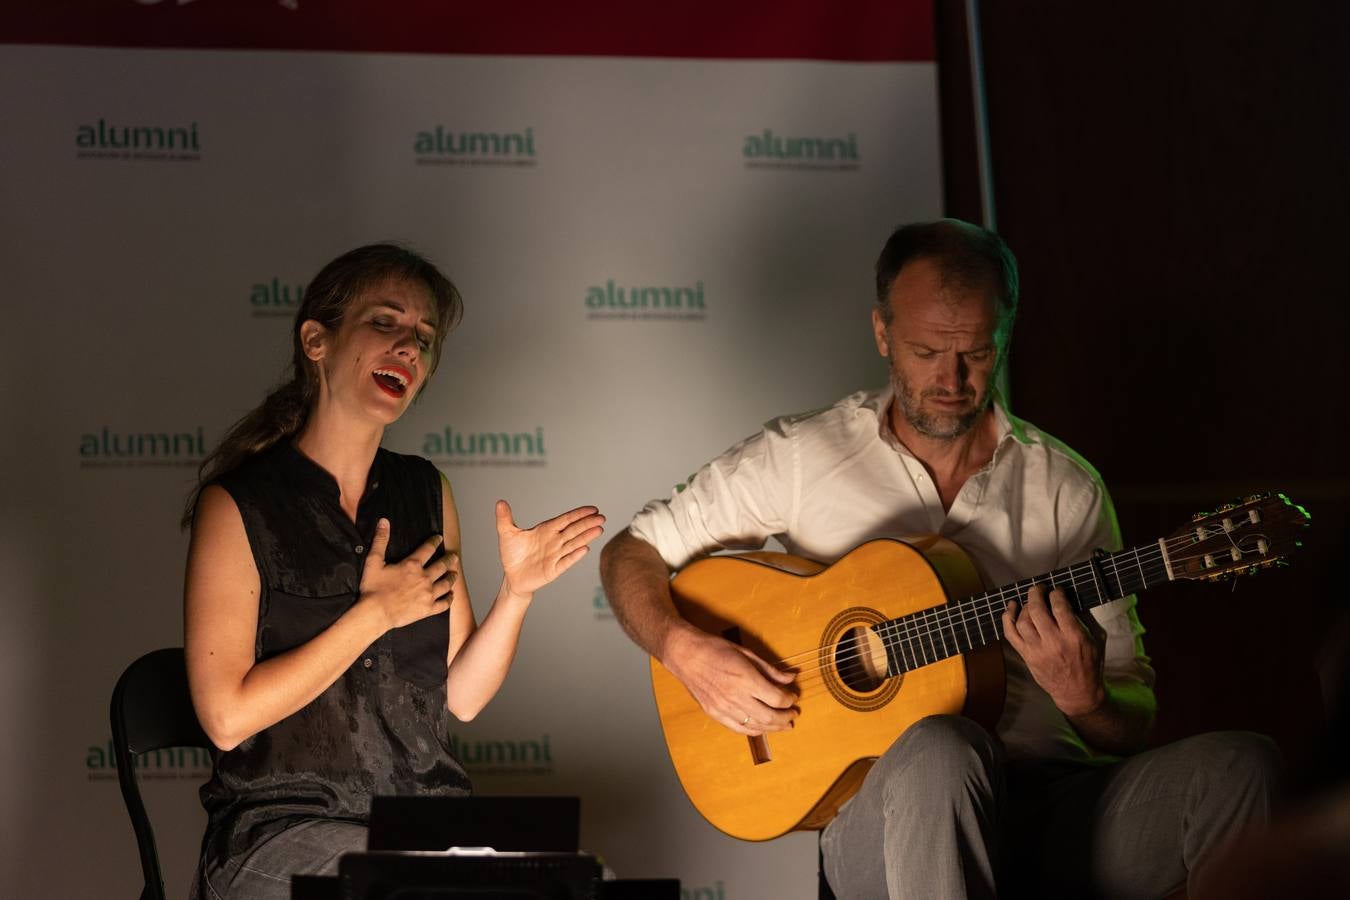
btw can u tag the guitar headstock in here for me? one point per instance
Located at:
(1253, 534)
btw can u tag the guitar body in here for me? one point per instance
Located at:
(910, 607)
(785, 608)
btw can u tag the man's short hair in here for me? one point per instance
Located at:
(966, 253)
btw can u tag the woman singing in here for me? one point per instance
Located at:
(328, 625)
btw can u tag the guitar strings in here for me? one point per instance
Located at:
(811, 681)
(991, 615)
(921, 625)
(926, 623)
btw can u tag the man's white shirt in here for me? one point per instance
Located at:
(823, 482)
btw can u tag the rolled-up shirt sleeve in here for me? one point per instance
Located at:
(735, 502)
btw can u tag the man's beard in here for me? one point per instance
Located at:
(940, 426)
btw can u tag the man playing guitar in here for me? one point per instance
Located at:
(1057, 796)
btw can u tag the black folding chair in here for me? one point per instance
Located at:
(151, 710)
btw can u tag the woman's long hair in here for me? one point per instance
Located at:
(326, 300)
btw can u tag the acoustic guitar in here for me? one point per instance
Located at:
(877, 644)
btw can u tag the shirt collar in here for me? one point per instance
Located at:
(878, 403)
(315, 477)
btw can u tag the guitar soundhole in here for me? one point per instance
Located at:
(860, 660)
(853, 661)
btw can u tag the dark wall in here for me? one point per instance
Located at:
(1174, 180)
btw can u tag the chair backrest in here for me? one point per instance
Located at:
(151, 710)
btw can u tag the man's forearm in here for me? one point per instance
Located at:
(637, 584)
(1122, 722)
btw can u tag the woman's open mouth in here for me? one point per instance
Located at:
(393, 380)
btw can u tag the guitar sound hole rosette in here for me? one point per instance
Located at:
(855, 685)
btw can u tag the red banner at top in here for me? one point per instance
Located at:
(867, 31)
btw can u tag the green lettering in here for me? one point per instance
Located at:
(494, 443)
(424, 143)
(655, 297)
(482, 142)
(153, 137)
(159, 444)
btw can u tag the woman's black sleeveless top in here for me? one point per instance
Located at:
(381, 728)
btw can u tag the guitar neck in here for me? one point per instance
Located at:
(934, 634)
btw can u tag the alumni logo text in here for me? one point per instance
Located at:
(453, 446)
(612, 301)
(772, 151)
(444, 146)
(106, 448)
(158, 143)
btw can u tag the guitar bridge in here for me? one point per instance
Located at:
(759, 744)
(759, 749)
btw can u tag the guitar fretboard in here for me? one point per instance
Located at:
(934, 634)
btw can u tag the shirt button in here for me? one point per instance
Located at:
(368, 662)
(360, 548)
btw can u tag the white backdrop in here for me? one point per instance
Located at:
(149, 290)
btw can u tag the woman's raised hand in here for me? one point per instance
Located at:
(412, 588)
(533, 557)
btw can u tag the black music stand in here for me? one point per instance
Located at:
(506, 848)
(451, 875)
(550, 824)
(316, 887)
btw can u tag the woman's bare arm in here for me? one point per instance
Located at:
(236, 697)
